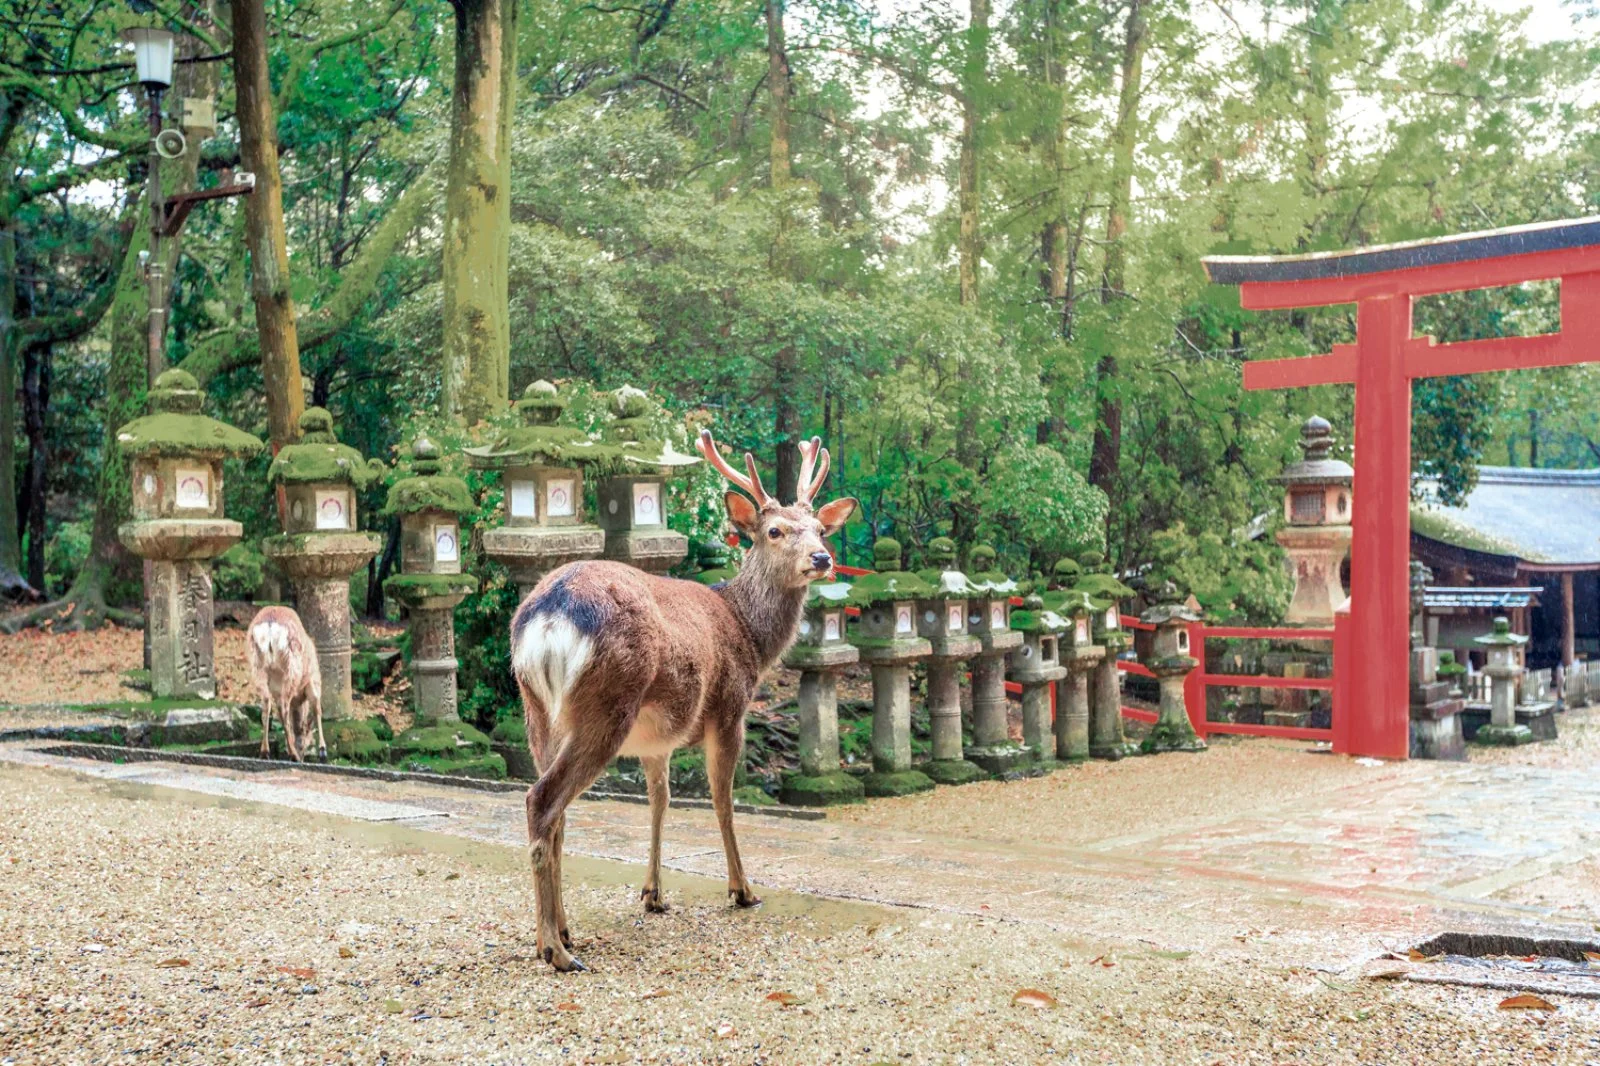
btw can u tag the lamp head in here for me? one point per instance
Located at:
(152, 55)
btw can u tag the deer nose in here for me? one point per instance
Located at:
(821, 561)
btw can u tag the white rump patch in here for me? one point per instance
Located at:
(271, 640)
(550, 658)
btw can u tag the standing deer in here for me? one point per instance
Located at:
(613, 661)
(283, 665)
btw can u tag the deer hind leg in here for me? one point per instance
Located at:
(316, 708)
(724, 749)
(577, 762)
(655, 776)
(291, 728)
(266, 723)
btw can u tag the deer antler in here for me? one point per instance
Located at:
(806, 488)
(707, 447)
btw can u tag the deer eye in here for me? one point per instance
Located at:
(774, 533)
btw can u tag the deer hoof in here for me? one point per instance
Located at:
(743, 897)
(566, 939)
(322, 754)
(565, 962)
(652, 901)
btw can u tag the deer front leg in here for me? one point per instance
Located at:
(655, 777)
(724, 749)
(322, 745)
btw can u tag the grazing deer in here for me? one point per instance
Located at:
(613, 661)
(283, 664)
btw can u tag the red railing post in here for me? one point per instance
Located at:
(1343, 668)
(1194, 686)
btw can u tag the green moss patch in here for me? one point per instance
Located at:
(753, 796)
(172, 434)
(953, 771)
(1000, 759)
(823, 790)
(453, 739)
(903, 783)
(439, 492)
(1164, 737)
(355, 740)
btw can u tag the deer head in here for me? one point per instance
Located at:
(786, 543)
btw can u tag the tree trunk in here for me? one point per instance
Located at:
(36, 402)
(974, 75)
(786, 372)
(476, 378)
(1106, 456)
(10, 531)
(264, 232)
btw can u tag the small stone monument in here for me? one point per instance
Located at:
(177, 525)
(942, 621)
(1080, 654)
(1036, 665)
(1171, 662)
(542, 473)
(430, 584)
(320, 547)
(1316, 532)
(1435, 708)
(1106, 737)
(633, 498)
(819, 653)
(887, 639)
(1504, 649)
(989, 619)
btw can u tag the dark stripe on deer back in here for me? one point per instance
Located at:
(587, 609)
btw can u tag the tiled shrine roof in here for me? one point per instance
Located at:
(1535, 516)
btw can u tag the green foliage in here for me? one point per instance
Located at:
(64, 555)
(237, 573)
(1243, 581)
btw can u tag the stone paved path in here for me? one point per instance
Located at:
(1256, 849)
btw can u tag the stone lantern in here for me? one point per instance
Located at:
(989, 619)
(1106, 737)
(320, 547)
(1171, 662)
(632, 499)
(1316, 531)
(819, 652)
(1504, 650)
(1080, 655)
(942, 621)
(1036, 665)
(178, 527)
(430, 583)
(887, 639)
(542, 473)
(715, 560)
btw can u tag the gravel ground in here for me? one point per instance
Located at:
(311, 939)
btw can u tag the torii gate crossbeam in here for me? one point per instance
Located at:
(1382, 282)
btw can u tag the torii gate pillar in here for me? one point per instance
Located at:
(1371, 685)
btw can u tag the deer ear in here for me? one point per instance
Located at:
(834, 515)
(742, 513)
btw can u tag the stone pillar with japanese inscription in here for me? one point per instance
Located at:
(177, 527)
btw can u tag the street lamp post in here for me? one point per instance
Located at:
(152, 58)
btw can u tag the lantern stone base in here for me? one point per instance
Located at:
(1172, 730)
(1314, 554)
(529, 553)
(357, 740)
(1106, 738)
(1004, 758)
(895, 783)
(1438, 738)
(1504, 736)
(944, 708)
(452, 748)
(953, 771)
(1037, 732)
(319, 566)
(177, 597)
(431, 600)
(818, 701)
(655, 551)
(821, 790)
(1072, 713)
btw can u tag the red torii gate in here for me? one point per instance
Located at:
(1382, 281)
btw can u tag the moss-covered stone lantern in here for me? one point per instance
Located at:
(715, 560)
(1080, 655)
(819, 652)
(1106, 737)
(1504, 652)
(320, 547)
(1171, 662)
(1035, 665)
(178, 527)
(430, 584)
(542, 467)
(886, 636)
(632, 498)
(989, 619)
(942, 621)
(1316, 531)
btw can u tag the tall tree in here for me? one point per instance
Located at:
(974, 80)
(476, 378)
(785, 401)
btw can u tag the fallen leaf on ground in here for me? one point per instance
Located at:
(392, 1006)
(346, 953)
(1416, 956)
(452, 877)
(569, 1005)
(1593, 957)
(1526, 1001)
(1033, 997)
(1337, 986)
(172, 964)
(724, 1031)
(257, 1003)
(655, 993)
(788, 999)
(1388, 973)
(305, 973)
(1176, 955)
